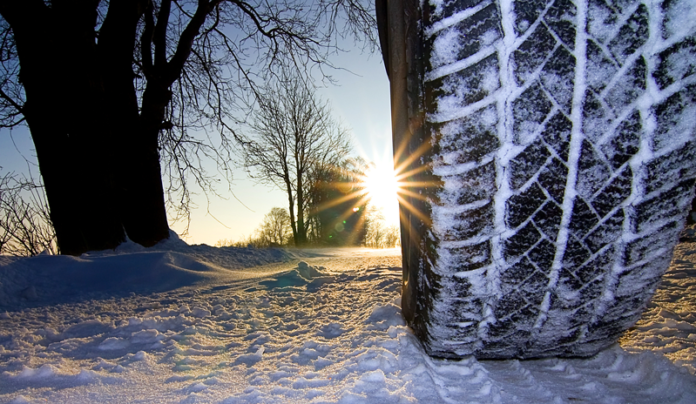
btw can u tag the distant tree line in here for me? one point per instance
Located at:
(333, 212)
(338, 214)
(381, 235)
(370, 232)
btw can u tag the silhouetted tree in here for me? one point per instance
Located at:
(111, 90)
(292, 131)
(337, 203)
(275, 230)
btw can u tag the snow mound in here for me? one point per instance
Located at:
(309, 272)
(130, 268)
(304, 275)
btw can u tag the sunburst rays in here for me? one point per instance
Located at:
(394, 189)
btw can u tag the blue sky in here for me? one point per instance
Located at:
(359, 100)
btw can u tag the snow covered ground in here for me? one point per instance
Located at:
(196, 324)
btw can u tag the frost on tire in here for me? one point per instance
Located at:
(563, 162)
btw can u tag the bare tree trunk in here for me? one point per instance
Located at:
(137, 172)
(291, 210)
(301, 230)
(78, 187)
(74, 154)
(142, 204)
(98, 158)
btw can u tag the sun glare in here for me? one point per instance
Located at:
(381, 187)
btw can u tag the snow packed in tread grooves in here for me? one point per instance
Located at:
(602, 36)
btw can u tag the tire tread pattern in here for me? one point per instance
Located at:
(509, 277)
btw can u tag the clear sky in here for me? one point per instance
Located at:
(360, 100)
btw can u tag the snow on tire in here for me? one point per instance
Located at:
(563, 151)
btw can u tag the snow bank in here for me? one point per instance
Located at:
(130, 268)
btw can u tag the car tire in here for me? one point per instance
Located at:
(548, 155)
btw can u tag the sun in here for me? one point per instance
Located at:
(381, 186)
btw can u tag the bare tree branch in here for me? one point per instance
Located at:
(25, 223)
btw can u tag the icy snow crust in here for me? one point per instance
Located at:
(568, 161)
(323, 327)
